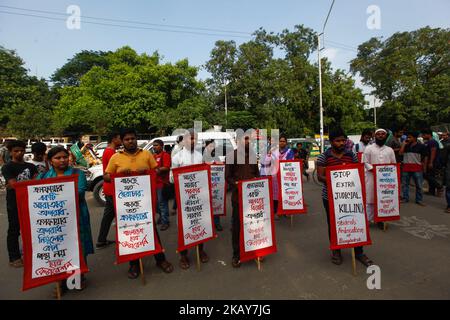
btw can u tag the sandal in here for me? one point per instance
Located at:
(16, 263)
(184, 263)
(364, 260)
(165, 266)
(133, 272)
(235, 262)
(203, 257)
(336, 257)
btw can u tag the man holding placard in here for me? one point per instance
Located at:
(240, 165)
(134, 159)
(335, 156)
(377, 153)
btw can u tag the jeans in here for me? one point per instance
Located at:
(108, 217)
(12, 239)
(418, 180)
(358, 250)
(217, 220)
(163, 206)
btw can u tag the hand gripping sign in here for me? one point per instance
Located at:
(387, 192)
(218, 189)
(49, 214)
(347, 201)
(194, 201)
(291, 187)
(135, 202)
(257, 235)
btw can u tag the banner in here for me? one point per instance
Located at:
(135, 204)
(194, 201)
(291, 187)
(218, 189)
(48, 214)
(347, 202)
(387, 192)
(257, 235)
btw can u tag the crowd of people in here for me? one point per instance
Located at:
(425, 157)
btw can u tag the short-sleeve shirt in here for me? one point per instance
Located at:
(20, 172)
(327, 159)
(164, 160)
(123, 161)
(413, 156)
(107, 155)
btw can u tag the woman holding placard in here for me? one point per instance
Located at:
(59, 161)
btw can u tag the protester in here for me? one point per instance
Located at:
(377, 153)
(413, 166)
(5, 156)
(337, 155)
(240, 165)
(446, 163)
(133, 159)
(59, 161)
(15, 170)
(303, 154)
(185, 157)
(114, 142)
(363, 143)
(433, 163)
(209, 157)
(162, 181)
(396, 144)
(38, 150)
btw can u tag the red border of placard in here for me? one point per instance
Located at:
(25, 228)
(375, 208)
(224, 190)
(333, 239)
(129, 257)
(190, 169)
(246, 256)
(280, 203)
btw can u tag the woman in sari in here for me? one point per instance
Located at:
(58, 158)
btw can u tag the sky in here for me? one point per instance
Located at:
(38, 30)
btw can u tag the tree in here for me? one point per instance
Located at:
(410, 73)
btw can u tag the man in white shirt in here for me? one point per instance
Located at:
(185, 157)
(376, 153)
(361, 146)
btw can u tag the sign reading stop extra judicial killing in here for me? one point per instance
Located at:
(387, 192)
(291, 187)
(257, 236)
(346, 196)
(193, 196)
(48, 213)
(135, 203)
(218, 189)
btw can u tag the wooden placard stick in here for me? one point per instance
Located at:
(58, 290)
(353, 261)
(141, 266)
(198, 257)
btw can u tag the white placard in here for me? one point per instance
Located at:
(218, 189)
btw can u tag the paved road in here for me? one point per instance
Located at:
(413, 256)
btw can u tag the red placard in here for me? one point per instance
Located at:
(254, 254)
(224, 190)
(282, 211)
(182, 245)
(334, 245)
(135, 256)
(391, 218)
(22, 198)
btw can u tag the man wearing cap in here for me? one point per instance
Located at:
(376, 153)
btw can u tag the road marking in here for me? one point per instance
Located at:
(421, 228)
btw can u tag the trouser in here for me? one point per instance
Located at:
(185, 252)
(216, 220)
(163, 206)
(418, 180)
(275, 206)
(12, 239)
(159, 257)
(235, 230)
(358, 250)
(108, 217)
(433, 183)
(370, 211)
(447, 196)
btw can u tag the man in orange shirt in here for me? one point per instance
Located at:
(134, 159)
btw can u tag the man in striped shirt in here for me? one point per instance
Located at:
(337, 155)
